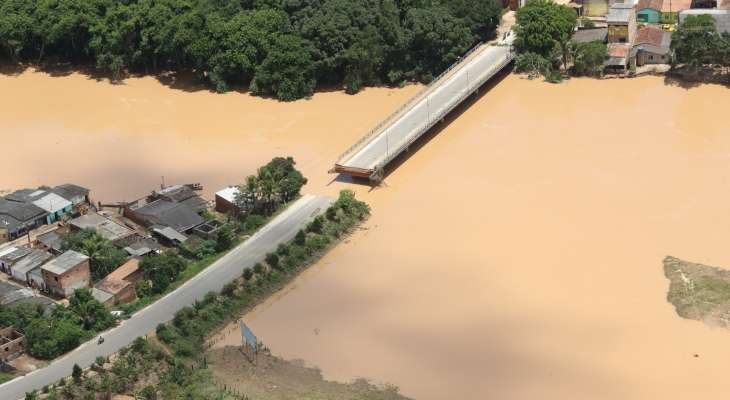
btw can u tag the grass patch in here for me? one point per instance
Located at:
(4, 377)
(699, 292)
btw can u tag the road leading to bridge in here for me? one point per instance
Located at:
(282, 229)
(394, 134)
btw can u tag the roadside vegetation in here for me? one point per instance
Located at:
(50, 332)
(278, 48)
(176, 367)
(262, 196)
(544, 30)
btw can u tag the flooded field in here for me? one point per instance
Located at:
(517, 255)
(119, 140)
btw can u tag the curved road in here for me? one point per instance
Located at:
(282, 229)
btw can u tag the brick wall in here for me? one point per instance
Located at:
(64, 285)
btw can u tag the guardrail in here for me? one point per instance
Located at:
(440, 115)
(409, 103)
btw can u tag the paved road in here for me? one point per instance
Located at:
(283, 228)
(424, 110)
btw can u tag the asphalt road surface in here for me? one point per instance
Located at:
(430, 106)
(282, 229)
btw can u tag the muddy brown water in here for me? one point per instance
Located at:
(518, 255)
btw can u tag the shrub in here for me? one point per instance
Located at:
(300, 238)
(282, 250)
(100, 361)
(247, 273)
(272, 259)
(316, 225)
(258, 268)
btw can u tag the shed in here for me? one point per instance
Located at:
(225, 200)
(33, 260)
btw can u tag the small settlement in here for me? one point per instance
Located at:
(639, 32)
(35, 267)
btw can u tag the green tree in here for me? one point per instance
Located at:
(76, 373)
(162, 270)
(543, 25)
(589, 58)
(696, 41)
(287, 71)
(225, 238)
(94, 316)
(104, 256)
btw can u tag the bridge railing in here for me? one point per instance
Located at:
(407, 104)
(445, 110)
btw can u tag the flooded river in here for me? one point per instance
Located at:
(518, 255)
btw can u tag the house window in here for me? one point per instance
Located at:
(56, 278)
(651, 57)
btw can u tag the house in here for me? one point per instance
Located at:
(8, 258)
(54, 205)
(50, 241)
(34, 260)
(590, 35)
(649, 11)
(721, 17)
(66, 273)
(621, 21)
(652, 46)
(165, 213)
(183, 194)
(671, 9)
(618, 57)
(77, 195)
(17, 218)
(105, 227)
(119, 286)
(225, 200)
(12, 344)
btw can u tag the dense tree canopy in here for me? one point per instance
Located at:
(281, 48)
(275, 183)
(104, 256)
(544, 27)
(697, 42)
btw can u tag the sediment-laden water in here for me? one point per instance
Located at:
(517, 255)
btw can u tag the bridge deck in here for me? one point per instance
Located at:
(395, 133)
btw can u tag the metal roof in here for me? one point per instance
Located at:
(69, 191)
(620, 13)
(31, 261)
(228, 194)
(106, 228)
(65, 262)
(51, 202)
(178, 216)
(22, 212)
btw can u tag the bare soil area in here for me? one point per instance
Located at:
(698, 291)
(275, 379)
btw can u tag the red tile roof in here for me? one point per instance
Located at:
(620, 50)
(114, 282)
(649, 35)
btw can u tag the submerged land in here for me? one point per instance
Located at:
(572, 307)
(699, 292)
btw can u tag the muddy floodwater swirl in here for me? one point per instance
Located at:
(516, 255)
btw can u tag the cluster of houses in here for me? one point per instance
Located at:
(34, 222)
(639, 32)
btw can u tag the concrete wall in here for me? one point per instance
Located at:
(64, 285)
(645, 57)
(12, 344)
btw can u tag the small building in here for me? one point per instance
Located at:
(54, 205)
(119, 286)
(50, 241)
(77, 195)
(66, 273)
(169, 236)
(34, 260)
(12, 344)
(17, 218)
(649, 11)
(618, 57)
(621, 21)
(721, 17)
(652, 46)
(162, 212)
(590, 35)
(225, 200)
(11, 257)
(183, 194)
(105, 227)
